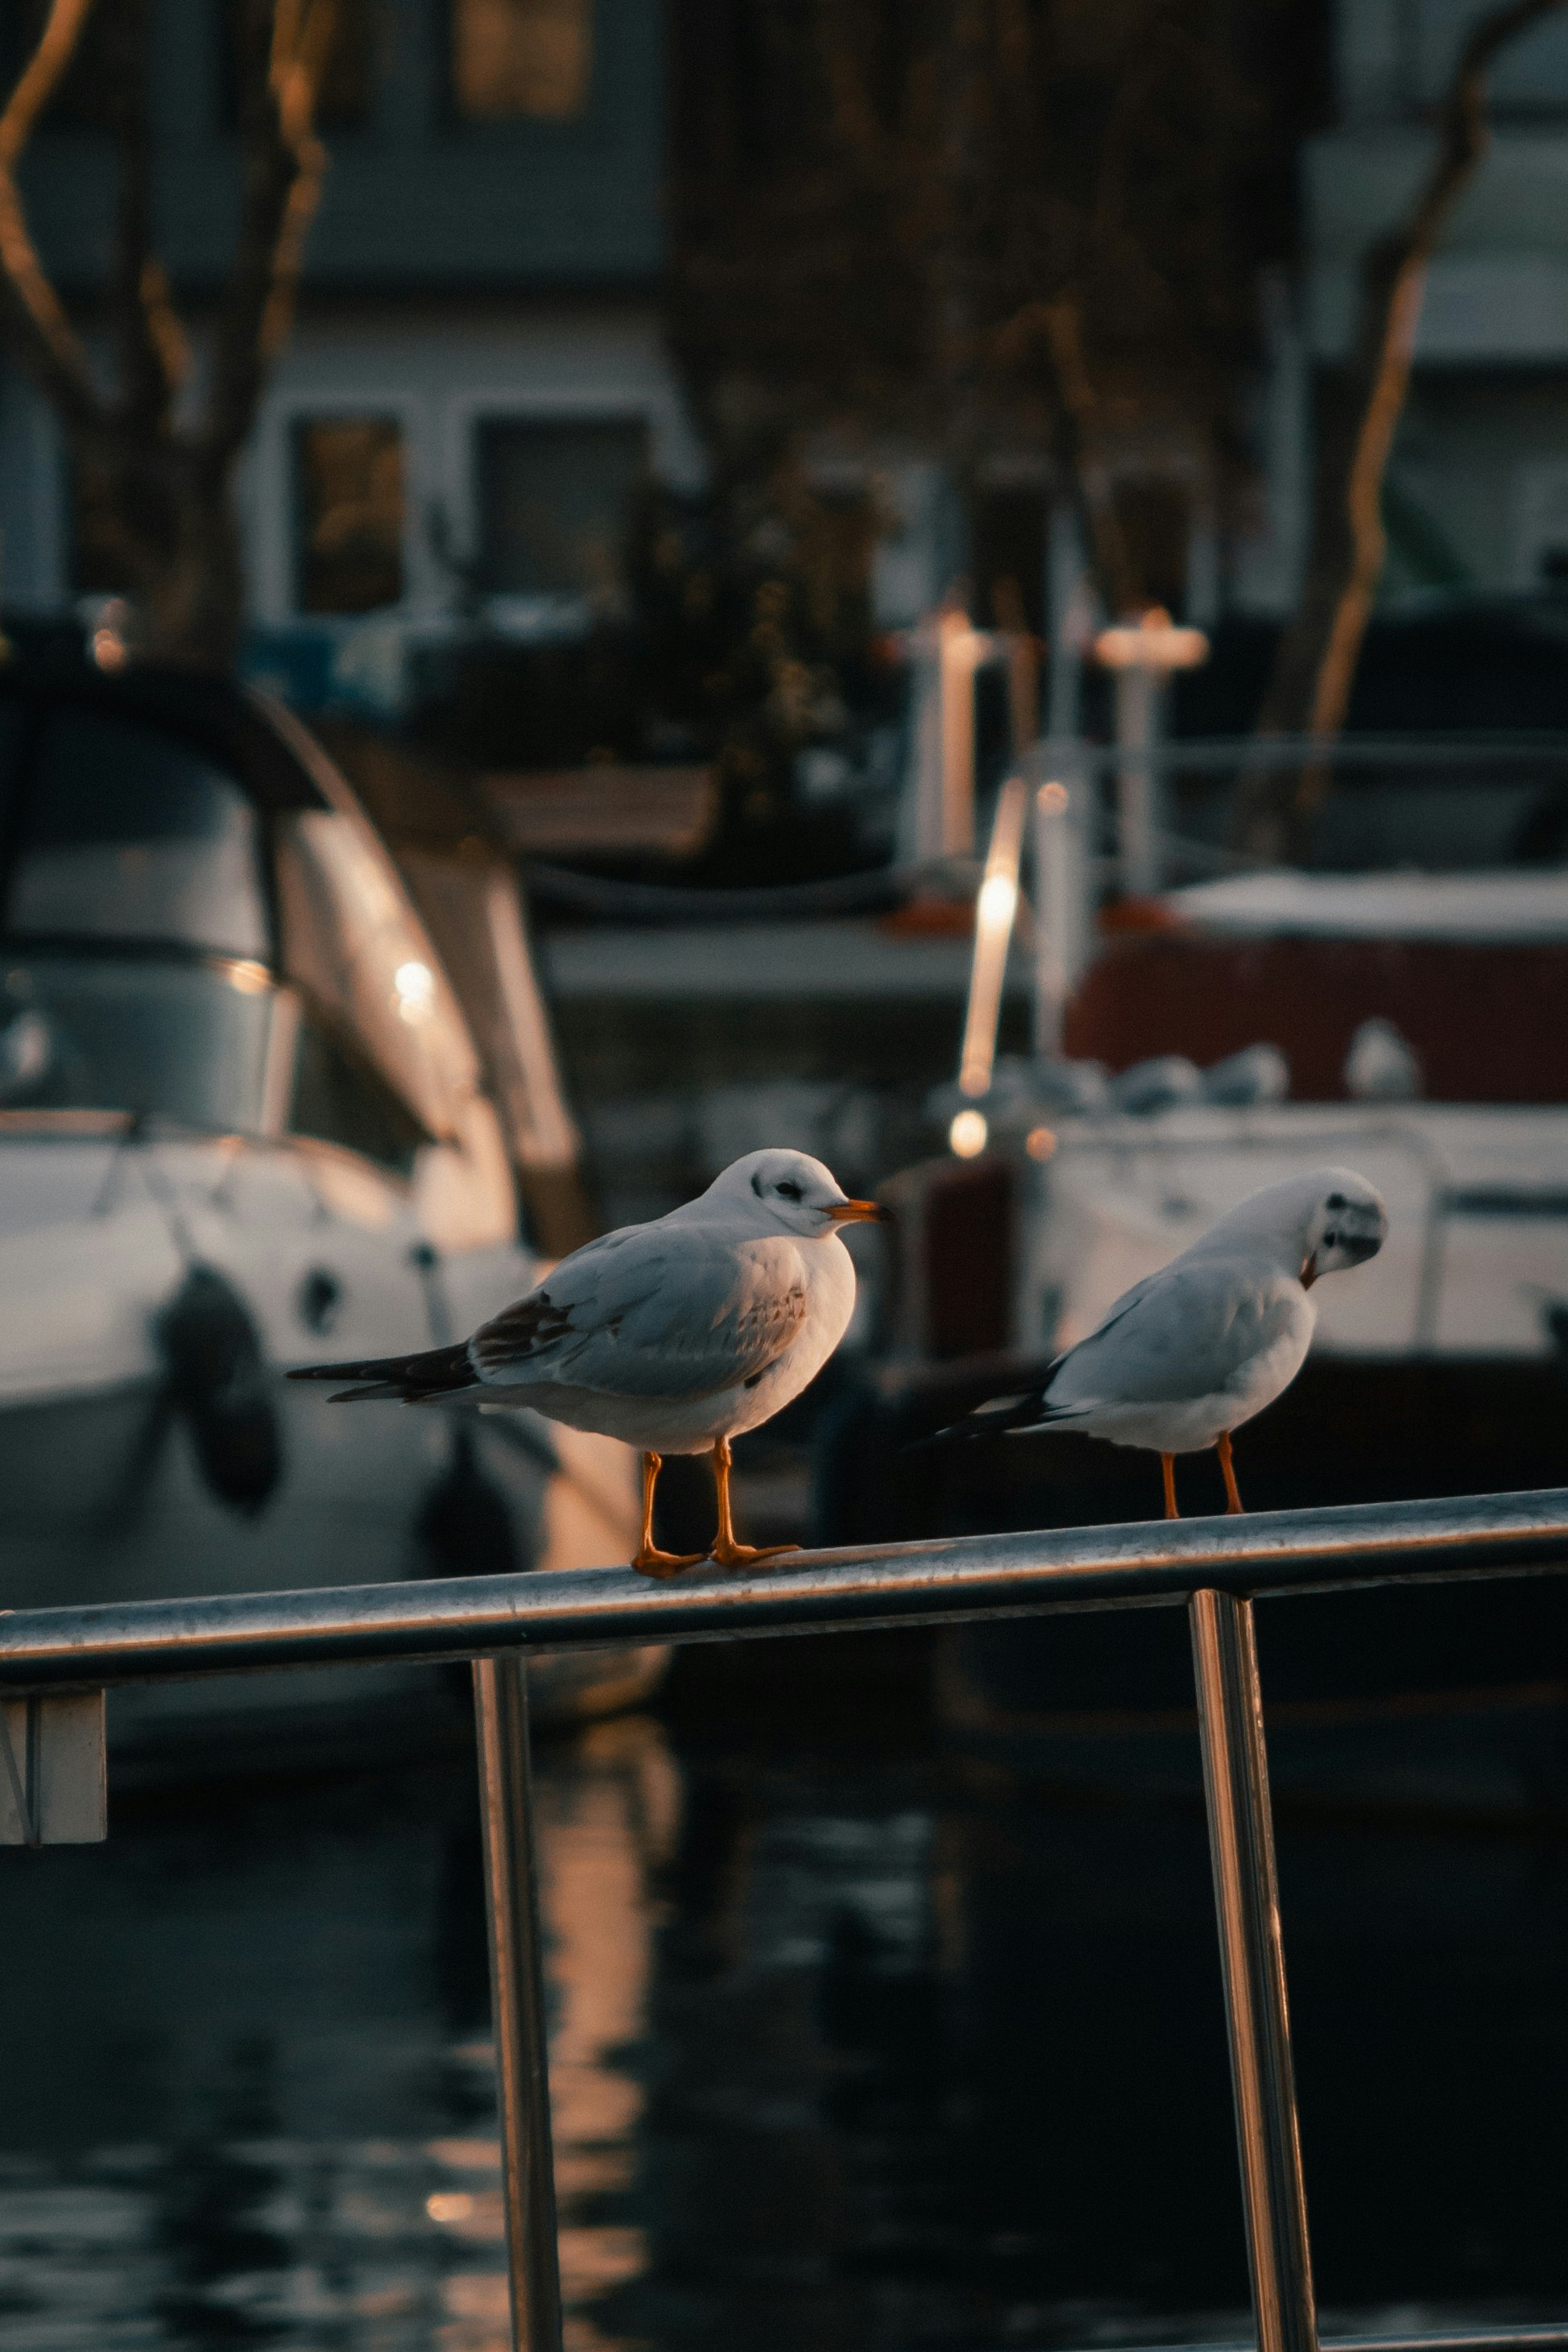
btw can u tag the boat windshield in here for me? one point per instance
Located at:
(139, 966)
(120, 832)
(188, 1042)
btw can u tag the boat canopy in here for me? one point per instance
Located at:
(182, 822)
(1517, 908)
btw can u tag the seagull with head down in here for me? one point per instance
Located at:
(675, 1336)
(1191, 1353)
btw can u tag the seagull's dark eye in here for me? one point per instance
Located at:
(1330, 1241)
(790, 1190)
(1336, 1201)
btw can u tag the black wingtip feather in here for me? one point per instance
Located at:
(436, 1372)
(1000, 1416)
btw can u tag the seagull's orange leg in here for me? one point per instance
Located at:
(1222, 1447)
(650, 1560)
(725, 1550)
(1167, 1466)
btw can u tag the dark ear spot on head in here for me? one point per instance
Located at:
(1335, 1201)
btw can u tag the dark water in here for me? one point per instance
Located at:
(861, 2039)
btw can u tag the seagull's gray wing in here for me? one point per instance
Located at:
(1188, 1331)
(655, 1311)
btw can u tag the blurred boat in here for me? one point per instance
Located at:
(245, 1123)
(1439, 1369)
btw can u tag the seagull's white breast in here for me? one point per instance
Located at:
(669, 1417)
(829, 1277)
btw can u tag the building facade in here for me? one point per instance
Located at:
(476, 380)
(479, 379)
(1478, 488)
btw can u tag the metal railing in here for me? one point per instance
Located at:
(1087, 849)
(1215, 1567)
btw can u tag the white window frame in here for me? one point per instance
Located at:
(667, 439)
(270, 491)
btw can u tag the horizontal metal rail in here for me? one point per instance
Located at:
(1546, 2338)
(1143, 1564)
(1216, 1567)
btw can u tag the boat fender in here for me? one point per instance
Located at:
(464, 1527)
(220, 1387)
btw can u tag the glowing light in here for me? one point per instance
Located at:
(250, 978)
(1153, 642)
(997, 902)
(454, 2205)
(415, 986)
(968, 1133)
(1053, 799)
(1039, 1143)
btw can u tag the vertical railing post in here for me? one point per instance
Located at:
(517, 1985)
(1246, 1896)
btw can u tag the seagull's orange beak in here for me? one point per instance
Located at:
(860, 1213)
(1309, 1270)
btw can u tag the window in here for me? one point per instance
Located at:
(339, 1098)
(348, 501)
(353, 944)
(555, 502)
(521, 59)
(164, 1040)
(126, 833)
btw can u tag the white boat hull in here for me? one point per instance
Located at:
(103, 1493)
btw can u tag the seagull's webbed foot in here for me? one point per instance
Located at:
(651, 1561)
(740, 1555)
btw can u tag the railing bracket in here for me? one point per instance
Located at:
(54, 1783)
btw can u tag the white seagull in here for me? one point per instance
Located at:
(1189, 1353)
(675, 1336)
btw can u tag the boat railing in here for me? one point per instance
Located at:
(57, 1664)
(1387, 748)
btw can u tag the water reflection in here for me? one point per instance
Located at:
(258, 1989)
(859, 2040)
(608, 1815)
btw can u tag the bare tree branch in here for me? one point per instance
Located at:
(1314, 668)
(46, 339)
(284, 46)
(302, 39)
(154, 351)
(158, 493)
(1395, 283)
